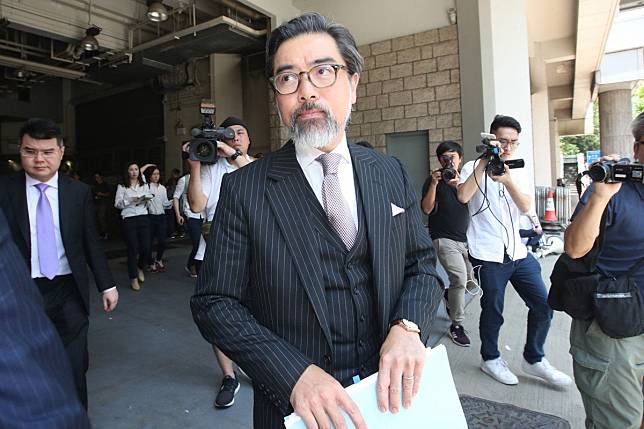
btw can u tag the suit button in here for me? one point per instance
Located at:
(363, 317)
(355, 290)
(361, 344)
(327, 359)
(349, 265)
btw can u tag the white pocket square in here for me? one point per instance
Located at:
(395, 210)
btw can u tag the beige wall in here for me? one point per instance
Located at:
(228, 95)
(371, 21)
(409, 83)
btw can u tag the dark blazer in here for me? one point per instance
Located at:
(260, 295)
(36, 386)
(77, 229)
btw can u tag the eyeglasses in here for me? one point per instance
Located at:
(320, 76)
(506, 143)
(28, 152)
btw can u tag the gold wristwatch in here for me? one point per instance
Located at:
(406, 325)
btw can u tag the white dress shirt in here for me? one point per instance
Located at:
(211, 177)
(306, 157)
(158, 204)
(181, 195)
(125, 200)
(495, 230)
(33, 195)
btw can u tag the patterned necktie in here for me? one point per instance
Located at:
(47, 252)
(336, 207)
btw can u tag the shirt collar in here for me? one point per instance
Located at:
(53, 182)
(307, 155)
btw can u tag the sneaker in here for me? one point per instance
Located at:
(226, 396)
(498, 370)
(458, 335)
(546, 372)
(141, 275)
(134, 284)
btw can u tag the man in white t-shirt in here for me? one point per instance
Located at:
(496, 203)
(203, 196)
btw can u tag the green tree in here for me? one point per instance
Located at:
(638, 100)
(572, 145)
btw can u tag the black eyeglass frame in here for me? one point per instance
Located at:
(336, 68)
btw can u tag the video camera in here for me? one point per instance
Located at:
(616, 171)
(495, 165)
(203, 145)
(448, 173)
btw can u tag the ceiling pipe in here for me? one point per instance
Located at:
(41, 68)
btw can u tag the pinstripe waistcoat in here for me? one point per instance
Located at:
(261, 295)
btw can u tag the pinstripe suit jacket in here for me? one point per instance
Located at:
(260, 295)
(36, 384)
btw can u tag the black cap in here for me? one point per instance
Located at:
(232, 120)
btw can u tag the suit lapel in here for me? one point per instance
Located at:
(64, 204)
(377, 213)
(21, 209)
(288, 194)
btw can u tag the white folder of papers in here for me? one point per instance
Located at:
(435, 406)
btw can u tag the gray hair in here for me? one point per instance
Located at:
(638, 127)
(310, 23)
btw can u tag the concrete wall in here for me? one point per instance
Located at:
(409, 83)
(370, 23)
(228, 86)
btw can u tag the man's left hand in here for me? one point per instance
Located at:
(402, 357)
(110, 299)
(224, 150)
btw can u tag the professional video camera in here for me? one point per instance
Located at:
(203, 145)
(448, 173)
(495, 165)
(616, 171)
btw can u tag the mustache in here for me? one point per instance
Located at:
(310, 105)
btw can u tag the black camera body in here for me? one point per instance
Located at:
(448, 173)
(616, 171)
(203, 145)
(495, 165)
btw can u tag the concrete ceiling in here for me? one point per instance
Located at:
(42, 36)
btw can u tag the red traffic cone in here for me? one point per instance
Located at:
(550, 215)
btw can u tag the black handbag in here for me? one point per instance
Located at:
(618, 305)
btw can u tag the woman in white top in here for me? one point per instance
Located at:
(131, 198)
(156, 210)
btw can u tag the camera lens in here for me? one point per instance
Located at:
(204, 150)
(599, 172)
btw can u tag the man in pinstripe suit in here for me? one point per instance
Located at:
(36, 387)
(317, 268)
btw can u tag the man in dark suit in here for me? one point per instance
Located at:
(53, 225)
(37, 388)
(317, 268)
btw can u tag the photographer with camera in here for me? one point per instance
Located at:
(609, 370)
(448, 221)
(203, 196)
(496, 199)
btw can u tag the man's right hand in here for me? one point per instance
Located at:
(180, 220)
(605, 191)
(194, 165)
(436, 176)
(317, 398)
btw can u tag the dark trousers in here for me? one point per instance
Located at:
(137, 238)
(194, 230)
(525, 276)
(158, 226)
(64, 307)
(102, 208)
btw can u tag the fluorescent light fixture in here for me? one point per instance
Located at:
(41, 68)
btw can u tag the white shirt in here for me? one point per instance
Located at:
(180, 194)
(495, 230)
(306, 157)
(33, 195)
(158, 204)
(124, 200)
(211, 177)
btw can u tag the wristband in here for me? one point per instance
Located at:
(236, 155)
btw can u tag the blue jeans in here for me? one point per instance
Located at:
(525, 276)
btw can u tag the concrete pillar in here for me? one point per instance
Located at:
(615, 116)
(500, 70)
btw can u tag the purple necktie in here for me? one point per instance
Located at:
(47, 252)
